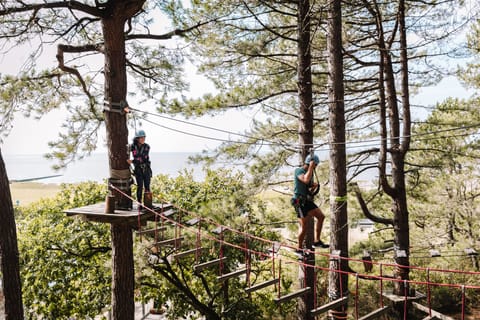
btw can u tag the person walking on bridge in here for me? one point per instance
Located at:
(304, 190)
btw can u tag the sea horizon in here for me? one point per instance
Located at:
(92, 168)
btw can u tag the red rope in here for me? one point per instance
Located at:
(221, 251)
(279, 275)
(356, 296)
(381, 285)
(139, 223)
(247, 262)
(199, 243)
(373, 277)
(273, 266)
(405, 289)
(315, 289)
(178, 231)
(429, 294)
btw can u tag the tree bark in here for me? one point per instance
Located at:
(115, 94)
(11, 284)
(338, 282)
(113, 25)
(304, 77)
(123, 278)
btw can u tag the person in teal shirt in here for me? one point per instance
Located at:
(302, 201)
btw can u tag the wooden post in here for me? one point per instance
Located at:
(147, 200)
(110, 204)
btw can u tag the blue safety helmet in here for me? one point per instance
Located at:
(140, 134)
(310, 158)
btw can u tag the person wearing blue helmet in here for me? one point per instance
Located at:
(141, 161)
(304, 190)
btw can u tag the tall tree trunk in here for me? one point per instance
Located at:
(123, 278)
(113, 25)
(11, 284)
(402, 234)
(399, 146)
(115, 94)
(338, 282)
(304, 74)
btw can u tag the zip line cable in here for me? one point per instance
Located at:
(198, 135)
(363, 143)
(368, 143)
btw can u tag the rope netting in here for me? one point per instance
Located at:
(277, 257)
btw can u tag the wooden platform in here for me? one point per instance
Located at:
(400, 299)
(96, 213)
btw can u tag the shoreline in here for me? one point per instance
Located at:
(24, 193)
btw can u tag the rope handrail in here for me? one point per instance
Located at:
(301, 263)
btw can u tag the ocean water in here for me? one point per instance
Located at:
(92, 168)
(95, 168)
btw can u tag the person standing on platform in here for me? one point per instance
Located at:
(141, 161)
(302, 201)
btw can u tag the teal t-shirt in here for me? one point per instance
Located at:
(300, 189)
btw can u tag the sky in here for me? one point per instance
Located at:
(22, 141)
(30, 136)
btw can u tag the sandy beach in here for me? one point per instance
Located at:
(24, 193)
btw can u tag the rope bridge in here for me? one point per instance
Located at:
(277, 254)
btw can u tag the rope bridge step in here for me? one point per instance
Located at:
(232, 274)
(331, 305)
(187, 253)
(150, 231)
(435, 314)
(167, 242)
(292, 295)
(168, 213)
(375, 313)
(201, 266)
(262, 285)
(193, 221)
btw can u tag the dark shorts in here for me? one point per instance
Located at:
(303, 208)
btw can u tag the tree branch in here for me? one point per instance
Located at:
(74, 5)
(61, 64)
(365, 210)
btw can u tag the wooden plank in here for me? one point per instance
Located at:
(193, 221)
(232, 274)
(401, 299)
(151, 231)
(167, 242)
(167, 213)
(218, 230)
(331, 305)
(434, 313)
(201, 266)
(186, 253)
(292, 295)
(375, 313)
(262, 285)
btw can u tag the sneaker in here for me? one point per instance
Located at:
(299, 251)
(320, 244)
(301, 254)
